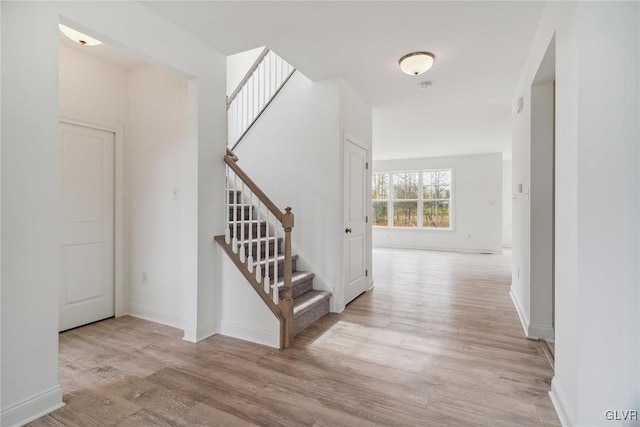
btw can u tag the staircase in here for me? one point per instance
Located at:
(258, 234)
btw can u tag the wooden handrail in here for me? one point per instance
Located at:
(273, 208)
(231, 155)
(247, 76)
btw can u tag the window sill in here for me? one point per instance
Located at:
(383, 227)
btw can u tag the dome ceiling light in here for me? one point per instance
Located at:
(78, 37)
(416, 62)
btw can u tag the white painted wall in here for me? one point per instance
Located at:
(161, 231)
(92, 89)
(507, 202)
(238, 65)
(597, 327)
(243, 314)
(477, 205)
(541, 210)
(31, 186)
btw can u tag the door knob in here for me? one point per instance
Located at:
(347, 230)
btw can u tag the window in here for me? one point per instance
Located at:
(380, 199)
(436, 190)
(413, 199)
(405, 199)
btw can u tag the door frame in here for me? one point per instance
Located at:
(118, 256)
(347, 138)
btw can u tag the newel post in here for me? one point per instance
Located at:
(287, 300)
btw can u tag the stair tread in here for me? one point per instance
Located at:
(246, 221)
(271, 258)
(261, 240)
(306, 301)
(297, 276)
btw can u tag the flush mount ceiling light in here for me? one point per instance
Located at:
(416, 62)
(78, 37)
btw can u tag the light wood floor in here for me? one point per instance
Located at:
(437, 342)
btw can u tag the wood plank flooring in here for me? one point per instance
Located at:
(436, 343)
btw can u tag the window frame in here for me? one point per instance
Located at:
(421, 200)
(379, 200)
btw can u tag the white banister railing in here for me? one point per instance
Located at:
(254, 93)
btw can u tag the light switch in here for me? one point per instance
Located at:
(176, 193)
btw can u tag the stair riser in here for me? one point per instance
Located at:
(309, 318)
(262, 247)
(254, 229)
(236, 213)
(237, 195)
(280, 268)
(299, 288)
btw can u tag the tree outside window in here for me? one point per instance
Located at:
(413, 199)
(405, 199)
(437, 198)
(380, 189)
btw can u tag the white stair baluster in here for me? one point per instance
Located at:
(267, 278)
(245, 110)
(234, 244)
(274, 71)
(254, 100)
(236, 119)
(276, 294)
(259, 268)
(243, 249)
(250, 258)
(227, 231)
(250, 99)
(261, 85)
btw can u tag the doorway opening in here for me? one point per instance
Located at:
(129, 179)
(542, 230)
(356, 218)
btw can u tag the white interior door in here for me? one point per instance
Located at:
(355, 232)
(88, 190)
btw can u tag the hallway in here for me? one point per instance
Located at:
(437, 342)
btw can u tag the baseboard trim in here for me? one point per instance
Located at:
(421, 248)
(200, 333)
(541, 332)
(247, 333)
(32, 408)
(565, 414)
(157, 316)
(524, 319)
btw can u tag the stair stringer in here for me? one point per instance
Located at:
(262, 333)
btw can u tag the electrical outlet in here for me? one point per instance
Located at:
(176, 193)
(145, 277)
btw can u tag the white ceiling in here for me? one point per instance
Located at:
(104, 53)
(480, 50)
